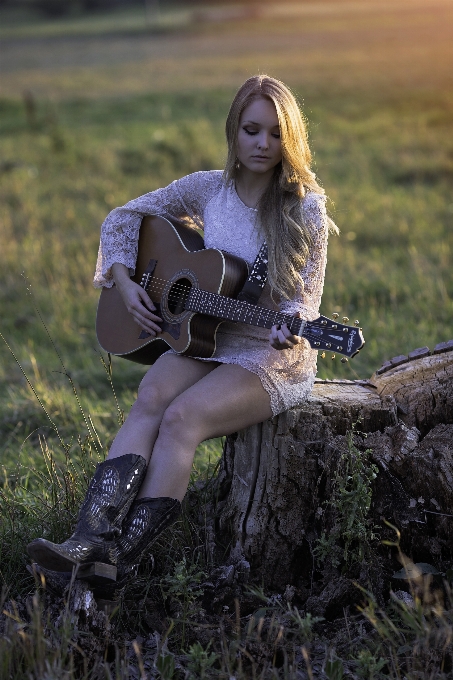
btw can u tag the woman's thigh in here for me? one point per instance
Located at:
(170, 376)
(227, 399)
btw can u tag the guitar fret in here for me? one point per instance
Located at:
(238, 311)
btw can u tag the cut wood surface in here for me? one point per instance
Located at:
(276, 477)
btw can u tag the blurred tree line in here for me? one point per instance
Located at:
(55, 8)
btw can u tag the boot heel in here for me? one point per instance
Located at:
(97, 573)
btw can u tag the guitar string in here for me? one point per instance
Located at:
(244, 313)
(251, 311)
(178, 290)
(178, 287)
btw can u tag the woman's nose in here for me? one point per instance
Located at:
(263, 140)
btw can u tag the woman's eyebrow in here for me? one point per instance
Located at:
(252, 122)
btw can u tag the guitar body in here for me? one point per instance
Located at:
(170, 257)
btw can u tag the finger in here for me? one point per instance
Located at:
(288, 340)
(146, 300)
(138, 308)
(273, 334)
(281, 341)
(294, 339)
(147, 325)
(148, 329)
(273, 338)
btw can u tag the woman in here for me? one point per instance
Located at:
(267, 192)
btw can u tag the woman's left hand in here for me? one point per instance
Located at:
(281, 337)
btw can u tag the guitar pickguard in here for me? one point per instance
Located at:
(173, 329)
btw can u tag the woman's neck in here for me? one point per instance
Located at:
(250, 186)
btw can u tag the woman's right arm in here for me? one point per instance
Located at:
(119, 233)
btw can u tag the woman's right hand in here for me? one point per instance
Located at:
(137, 301)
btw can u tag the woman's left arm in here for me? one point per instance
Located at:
(307, 301)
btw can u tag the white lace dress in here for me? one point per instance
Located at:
(228, 224)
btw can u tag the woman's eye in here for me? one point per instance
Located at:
(276, 135)
(250, 132)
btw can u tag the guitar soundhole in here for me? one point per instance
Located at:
(177, 296)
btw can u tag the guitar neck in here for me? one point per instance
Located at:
(229, 309)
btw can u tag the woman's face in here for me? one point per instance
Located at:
(258, 144)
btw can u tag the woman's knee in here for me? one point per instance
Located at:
(150, 400)
(180, 421)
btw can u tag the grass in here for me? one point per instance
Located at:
(380, 107)
(22, 22)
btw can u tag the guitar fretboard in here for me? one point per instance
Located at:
(229, 309)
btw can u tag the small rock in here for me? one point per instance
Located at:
(222, 576)
(402, 596)
(290, 591)
(339, 593)
(242, 571)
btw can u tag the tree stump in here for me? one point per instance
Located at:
(276, 478)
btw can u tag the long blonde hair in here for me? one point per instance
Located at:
(279, 208)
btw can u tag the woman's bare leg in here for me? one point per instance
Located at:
(166, 379)
(227, 399)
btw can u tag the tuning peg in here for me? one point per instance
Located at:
(332, 357)
(345, 319)
(323, 355)
(356, 322)
(335, 315)
(344, 360)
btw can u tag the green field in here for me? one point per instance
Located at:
(118, 108)
(383, 150)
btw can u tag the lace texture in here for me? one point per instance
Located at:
(229, 225)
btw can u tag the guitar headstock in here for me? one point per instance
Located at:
(335, 336)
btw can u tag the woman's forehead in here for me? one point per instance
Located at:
(260, 110)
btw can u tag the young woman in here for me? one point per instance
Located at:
(267, 193)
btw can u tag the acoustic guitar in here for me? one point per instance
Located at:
(194, 290)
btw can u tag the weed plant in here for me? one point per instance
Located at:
(352, 534)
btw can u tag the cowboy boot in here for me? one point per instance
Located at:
(146, 519)
(92, 546)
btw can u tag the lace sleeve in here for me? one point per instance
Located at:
(187, 196)
(308, 301)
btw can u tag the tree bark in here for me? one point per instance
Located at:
(276, 478)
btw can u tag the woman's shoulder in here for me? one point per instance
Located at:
(203, 179)
(313, 199)
(314, 208)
